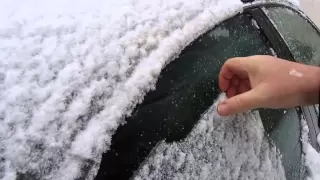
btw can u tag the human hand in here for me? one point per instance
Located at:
(266, 82)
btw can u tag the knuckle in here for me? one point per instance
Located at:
(238, 101)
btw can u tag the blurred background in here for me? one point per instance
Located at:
(312, 9)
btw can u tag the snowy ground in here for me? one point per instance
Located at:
(70, 71)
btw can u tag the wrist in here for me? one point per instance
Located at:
(311, 93)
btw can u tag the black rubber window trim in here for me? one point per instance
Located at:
(275, 38)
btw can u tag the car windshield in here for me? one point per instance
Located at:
(186, 89)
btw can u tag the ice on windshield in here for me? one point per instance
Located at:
(70, 71)
(217, 148)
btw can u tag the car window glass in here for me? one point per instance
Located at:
(232, 147)
(185, 89)
(301, 37)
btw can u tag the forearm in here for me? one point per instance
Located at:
(310, 85)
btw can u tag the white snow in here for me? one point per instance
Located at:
(273, 52)
(311, 156)
(220, 32)
(70, 71)
(217, 148)
(254, 22)
(295, 2)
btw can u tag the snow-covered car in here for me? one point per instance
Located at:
(129, 89)
(188, 86)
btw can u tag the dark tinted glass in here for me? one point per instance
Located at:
(185, 89)
(283, 128)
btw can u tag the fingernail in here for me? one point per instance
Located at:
(222, 109)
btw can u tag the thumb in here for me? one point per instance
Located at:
(239, 103)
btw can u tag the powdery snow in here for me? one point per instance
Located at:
(70, 71)
(217, 148)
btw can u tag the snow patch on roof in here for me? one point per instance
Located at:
(217, 148)
(295, 2)
(70, 71)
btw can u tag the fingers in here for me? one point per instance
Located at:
(225, 77)
(243, 87)
(234, 80)
(239, 103)
(233, 67)
(232, 91)
(237, 86)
